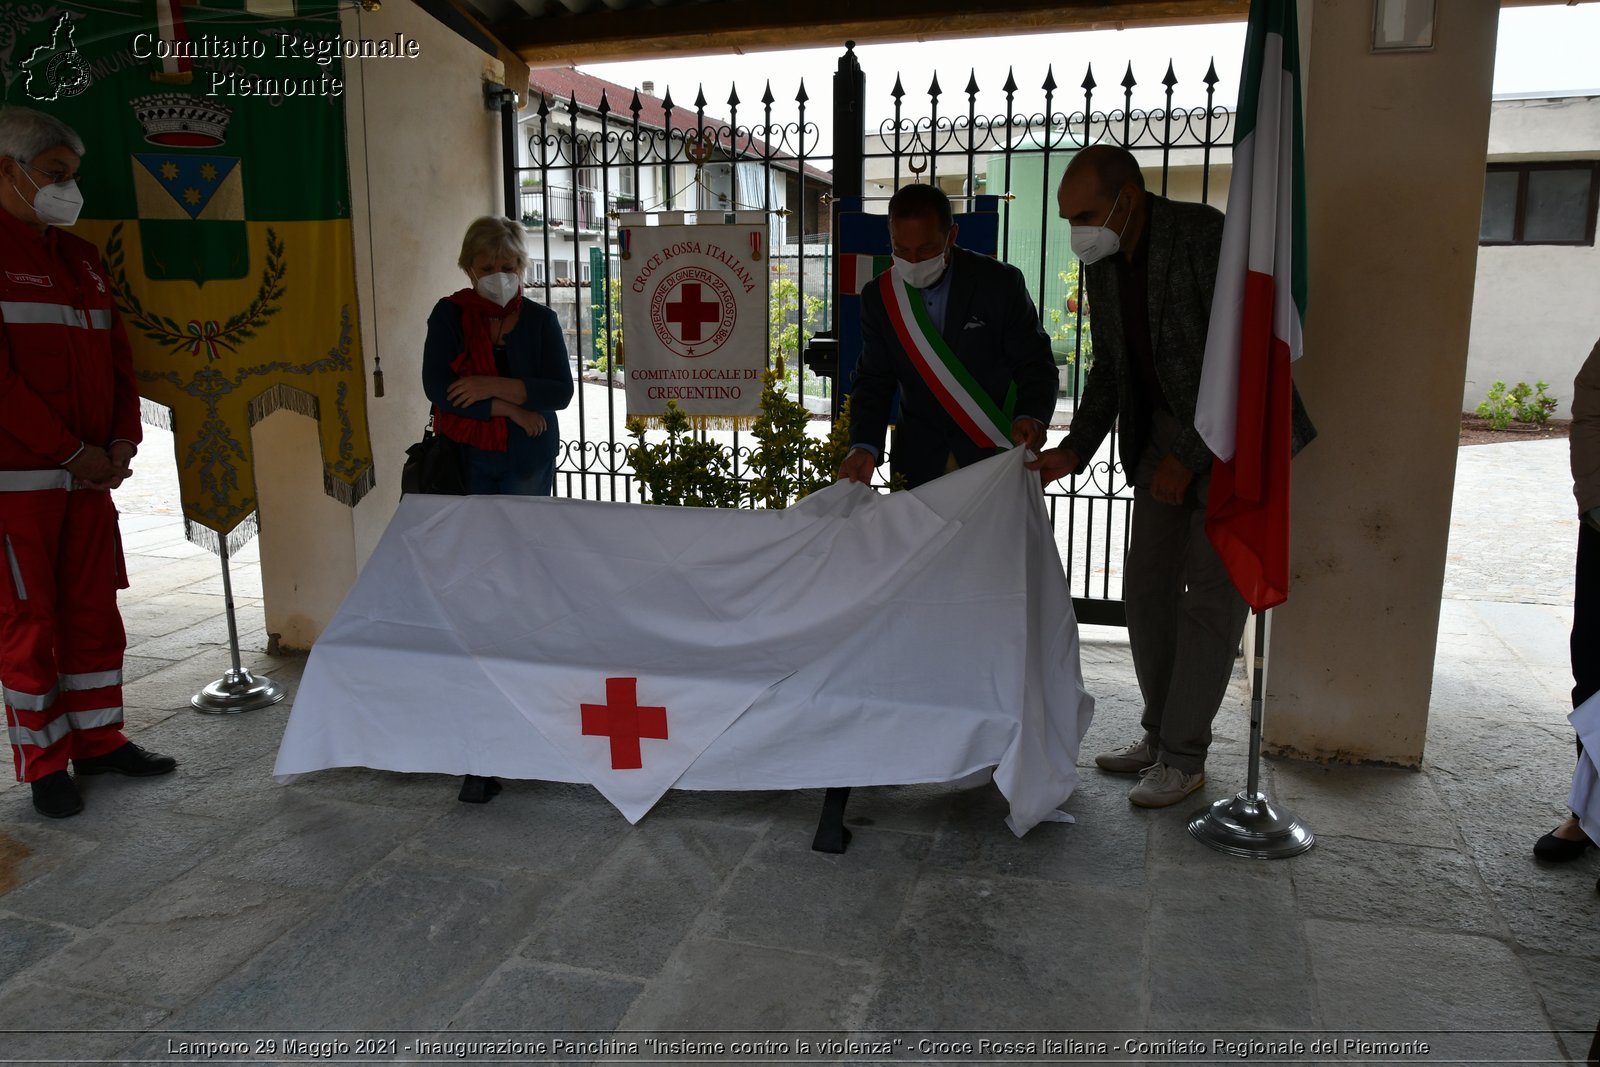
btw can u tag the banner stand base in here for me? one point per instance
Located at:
(236, 691)
(1250, 825)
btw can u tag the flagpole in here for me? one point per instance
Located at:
(237, 690)
(1250, 824)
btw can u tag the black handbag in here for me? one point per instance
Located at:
(434, 465)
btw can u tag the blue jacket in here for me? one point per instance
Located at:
(536, 353)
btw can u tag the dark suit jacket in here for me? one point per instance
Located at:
(1185, 244)
(992, 327)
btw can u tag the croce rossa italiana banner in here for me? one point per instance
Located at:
(215, 183)
(694, 309)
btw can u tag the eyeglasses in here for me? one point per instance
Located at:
(56, 177)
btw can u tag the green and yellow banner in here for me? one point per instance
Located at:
(215, 181)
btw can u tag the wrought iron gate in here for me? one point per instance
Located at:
(590, 155)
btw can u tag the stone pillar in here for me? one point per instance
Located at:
(424, 162)
(1395, 149)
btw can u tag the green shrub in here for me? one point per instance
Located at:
(1524, 403)
(786, 464)
(682, 469)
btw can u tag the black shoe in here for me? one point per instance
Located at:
(55, 796)
(476, 789)
(130, 759)
(1553, 849)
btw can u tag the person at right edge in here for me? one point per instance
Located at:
(1150, 268)
(1568, 841)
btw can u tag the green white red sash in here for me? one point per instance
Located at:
(973, 409)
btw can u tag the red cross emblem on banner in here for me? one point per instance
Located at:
(623, 720)
(692, 313)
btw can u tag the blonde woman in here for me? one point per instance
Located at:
(495, 367)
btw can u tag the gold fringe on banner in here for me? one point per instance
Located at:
(212, 541)
(154, 414)
(701, 422)
(350, 493)
(281, 397)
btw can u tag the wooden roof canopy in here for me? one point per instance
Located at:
(560, 32)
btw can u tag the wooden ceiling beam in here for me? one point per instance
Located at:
(738, 26)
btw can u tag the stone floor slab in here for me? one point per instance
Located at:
(787, 896)
(28, 846)
(1567, 986)
(24, 942)
(1034, 954)
(315, 845)
(560, 831)
(197, 664)
(174, 945)
(532, 995)
(1375, 803)
(124, 868)
(38, 1022)
(1548, 907)
(207, 634)
(974, 839)
(1346, 878)
(636, 907)
(720, 985)
(404, 948)
(1223, 945)
(1469, 994)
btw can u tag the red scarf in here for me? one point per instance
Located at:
(476, 357)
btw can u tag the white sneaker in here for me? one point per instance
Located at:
(1130, 759)
(1162, 785)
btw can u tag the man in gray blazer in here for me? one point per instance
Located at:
(982, 311)
(1150, 268)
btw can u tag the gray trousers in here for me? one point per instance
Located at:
(1185, 617)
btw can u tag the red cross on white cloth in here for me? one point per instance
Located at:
(623, 720)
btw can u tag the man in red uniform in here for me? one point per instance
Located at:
(69, 426)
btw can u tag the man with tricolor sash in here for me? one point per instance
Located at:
(957, 336)
(1150, 270)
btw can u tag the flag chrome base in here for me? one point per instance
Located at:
(1250, 825)
(236, 691)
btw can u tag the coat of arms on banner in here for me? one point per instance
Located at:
(224, 218)
(694, 301)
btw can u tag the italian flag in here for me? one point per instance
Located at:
(855, 271)
(1244, 406)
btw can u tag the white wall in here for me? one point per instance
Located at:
(1536, 308)
(424, 159)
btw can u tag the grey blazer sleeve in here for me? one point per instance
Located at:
(1097, 406)
(1203, 246)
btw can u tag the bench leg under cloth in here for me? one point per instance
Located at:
(476, 789)
(832, 834)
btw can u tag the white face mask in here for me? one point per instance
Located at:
(921, 274)
(58, 203)
(1091, 244)
(499, 288)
